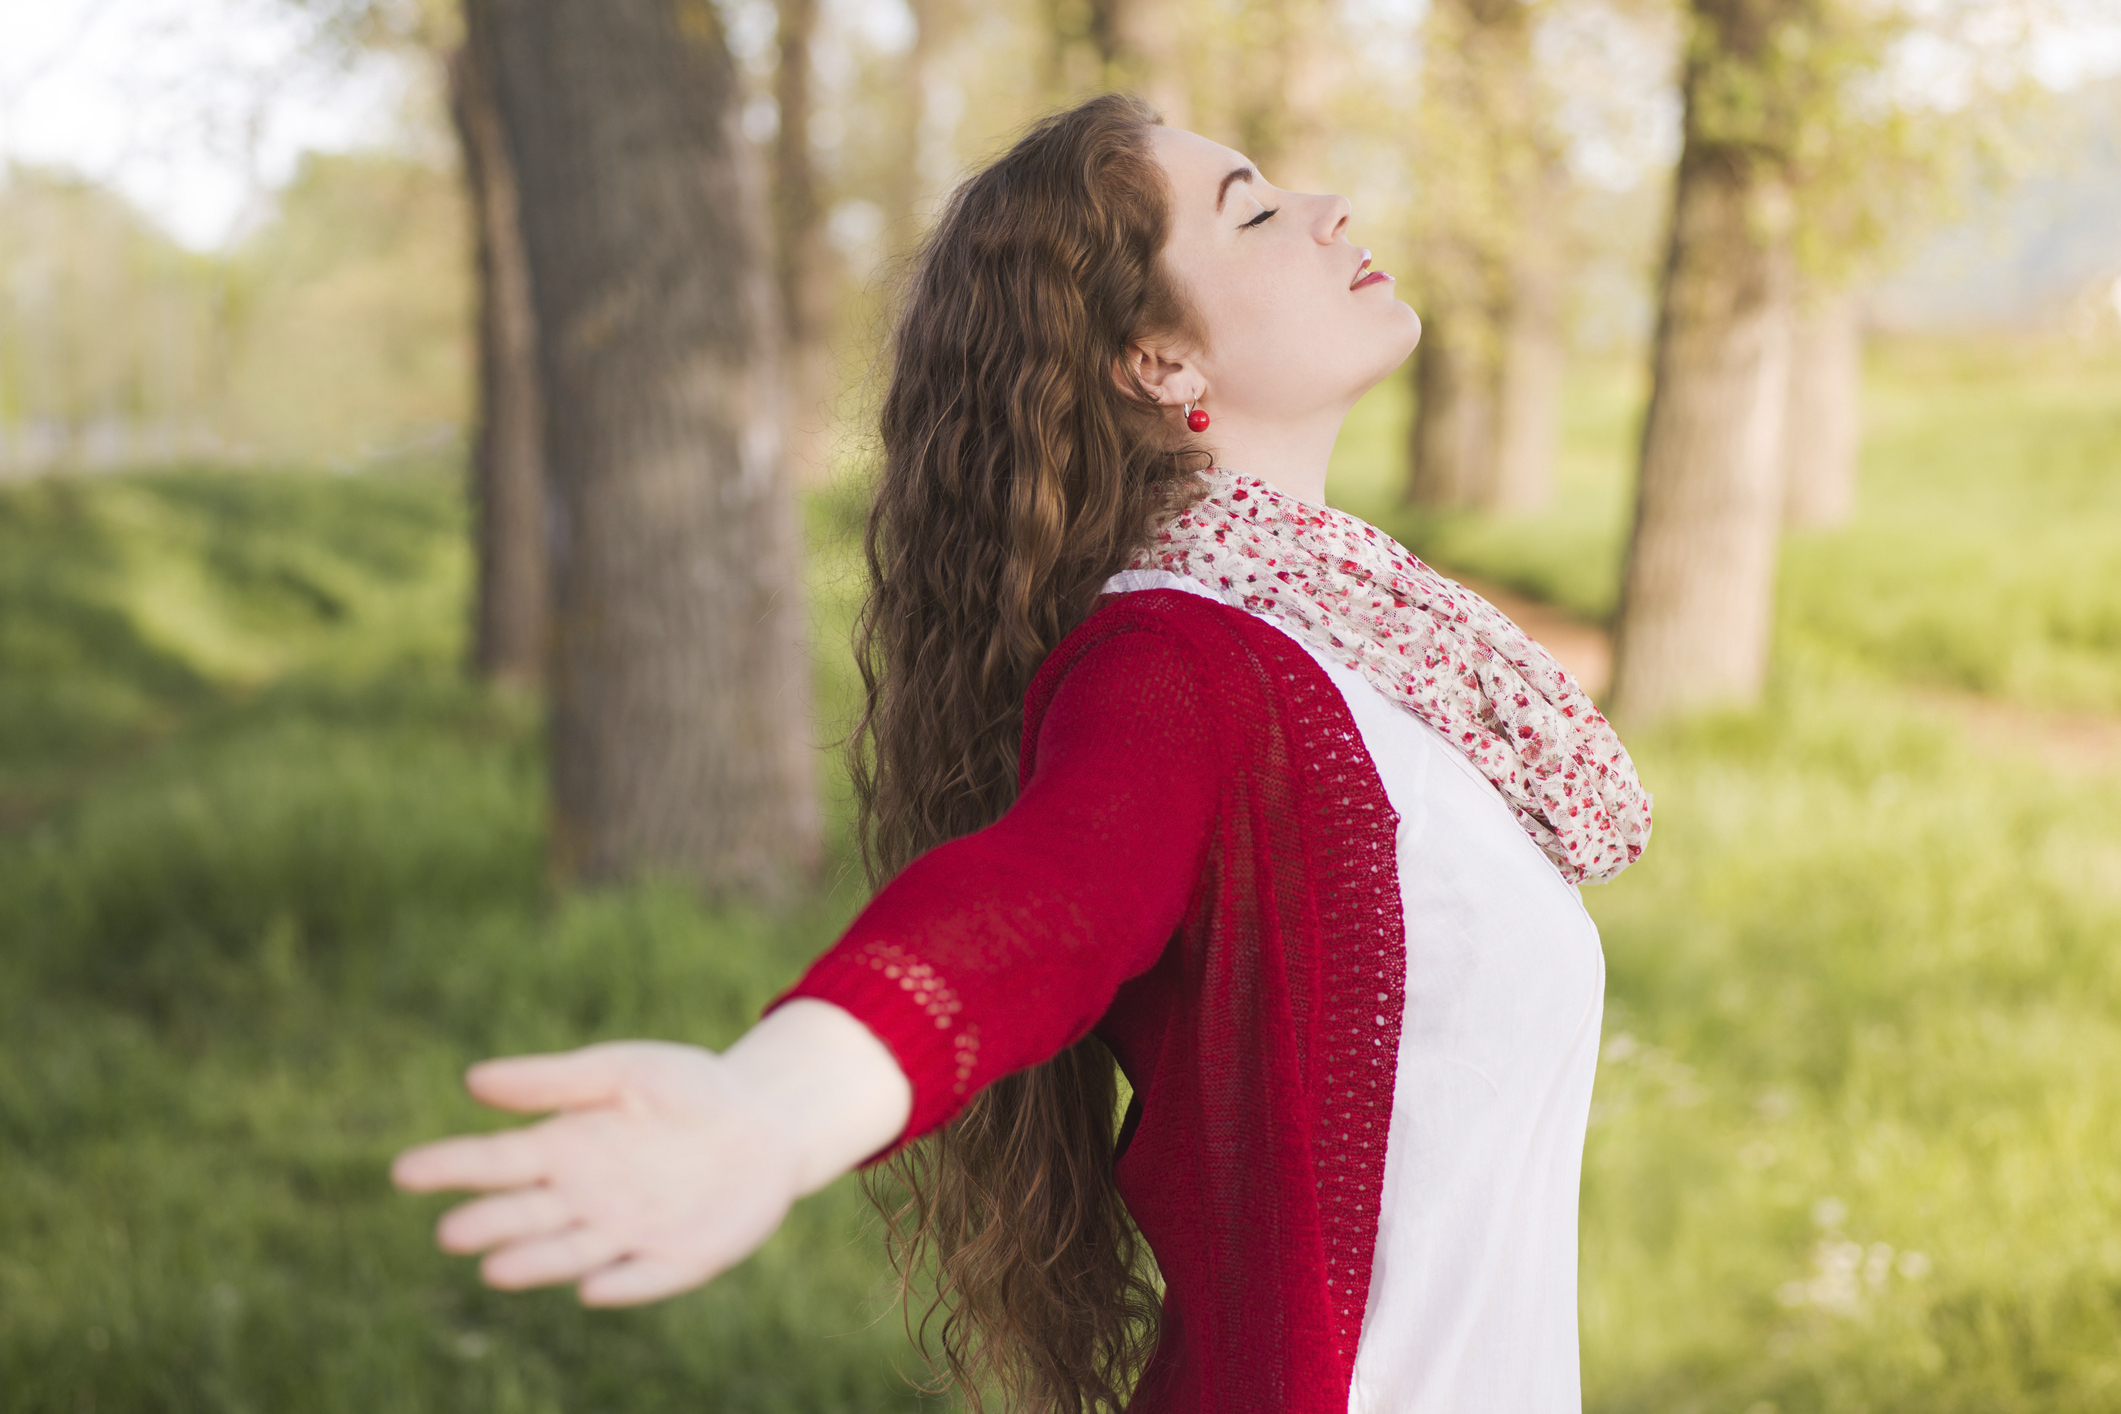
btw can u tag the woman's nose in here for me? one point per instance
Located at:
(1332, 223)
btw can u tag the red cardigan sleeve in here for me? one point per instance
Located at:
(998, 950)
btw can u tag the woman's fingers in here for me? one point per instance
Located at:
(565, 1080)
(556, 1257)
(510, 1159)
(505, 1217)
(639, 1279)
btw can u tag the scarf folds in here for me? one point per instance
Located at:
(1430, 645)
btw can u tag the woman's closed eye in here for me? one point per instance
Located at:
(1260, 219)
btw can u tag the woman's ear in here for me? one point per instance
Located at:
(1169, 376)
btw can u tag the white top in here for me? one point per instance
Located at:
(1472, 1304)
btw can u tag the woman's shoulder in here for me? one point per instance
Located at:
(1154, 618)
(1168, 634)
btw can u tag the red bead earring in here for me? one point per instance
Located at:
(1196, 418)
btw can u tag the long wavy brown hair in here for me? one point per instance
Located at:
(1017, 474)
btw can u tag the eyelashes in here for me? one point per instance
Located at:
(1260, 219)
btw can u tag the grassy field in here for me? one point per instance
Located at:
(269, 877)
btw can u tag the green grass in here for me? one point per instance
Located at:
(1868, 987)
(270, 876)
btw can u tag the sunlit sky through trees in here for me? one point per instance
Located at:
(197, 110)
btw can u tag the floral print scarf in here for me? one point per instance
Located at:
(1433, 647)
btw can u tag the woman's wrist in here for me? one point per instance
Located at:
(825, 1081)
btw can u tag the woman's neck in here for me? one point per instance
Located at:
(1291, 456)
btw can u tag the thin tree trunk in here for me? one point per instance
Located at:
(509, 614)
(1534, 356)
(1697, 601)
(1824, 421)
(1488, 360)
(932, 20)
(681, 716)
(1141, 41)
(1277, 81)
(803, 262)
(1453, 436)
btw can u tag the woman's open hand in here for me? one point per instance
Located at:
(666, 1164)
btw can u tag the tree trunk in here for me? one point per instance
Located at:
(909, 178)
(1274, 74)
(802, 260)
(1823, 425)
(1534, 355)
(1697, 601)
(681, 736)
(1453, 437)
(1142, 41)
(1486, 373)
(509, 612)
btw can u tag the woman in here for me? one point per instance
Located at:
(1164, 762)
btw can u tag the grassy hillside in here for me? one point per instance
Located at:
(269, 877)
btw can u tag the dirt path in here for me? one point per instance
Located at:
(2068, 743)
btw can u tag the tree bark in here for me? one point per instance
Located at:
(1697, 600)
(681, 715)
(1824, 422)
(803, 262)
(1454, 406)
(1275, 82)
(908, 185)
(1141, 42)
(1487, 375)
(509, 613)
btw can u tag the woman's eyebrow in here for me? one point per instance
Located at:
(1242, 174)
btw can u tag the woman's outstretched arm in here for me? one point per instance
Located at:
(664, 1164)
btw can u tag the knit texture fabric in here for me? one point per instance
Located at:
(1201, 865)
(1431, 645)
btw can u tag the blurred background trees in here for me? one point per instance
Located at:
(1489, 240)
(1496, 149)
(1780, 153)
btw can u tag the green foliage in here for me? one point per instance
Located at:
(106, 323)
(1847, 1146)
(1985, 549)
(355, 339)
(269, 878)
(339, 331)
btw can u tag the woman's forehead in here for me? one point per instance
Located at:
(1196, 166)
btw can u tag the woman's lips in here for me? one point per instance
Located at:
(1375, 277)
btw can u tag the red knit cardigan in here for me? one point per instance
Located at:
(1200, 866)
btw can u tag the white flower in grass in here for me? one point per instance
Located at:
(1846, 1274)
